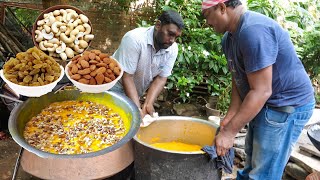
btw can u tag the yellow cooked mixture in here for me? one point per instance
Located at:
(177, 146)
(74, 127)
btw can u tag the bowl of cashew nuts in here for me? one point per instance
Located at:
(62, 32)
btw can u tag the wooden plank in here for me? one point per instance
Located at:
(24, 5)
(310, 149)
(309, 163)
(2, 12)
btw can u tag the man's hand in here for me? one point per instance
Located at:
(224, 122)
(148, 109)
(141, 113)
(223, 141)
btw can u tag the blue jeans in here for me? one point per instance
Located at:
(270, 139)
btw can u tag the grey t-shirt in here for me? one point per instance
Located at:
(138, 56)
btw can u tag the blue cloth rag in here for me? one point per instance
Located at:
(222, 162)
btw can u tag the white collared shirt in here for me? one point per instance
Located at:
(138, 56)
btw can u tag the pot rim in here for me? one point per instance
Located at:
(177, 118)
(21, 141)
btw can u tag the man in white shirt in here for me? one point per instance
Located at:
(147, 56)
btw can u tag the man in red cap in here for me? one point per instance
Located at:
(270, 88)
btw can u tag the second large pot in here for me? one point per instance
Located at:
(157, 164)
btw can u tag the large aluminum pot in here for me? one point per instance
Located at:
(100, 164)
(22, 113)
(154, 163)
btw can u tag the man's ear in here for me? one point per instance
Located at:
(222, 7)
(158, 25)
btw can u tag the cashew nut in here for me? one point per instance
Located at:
(81, 28)
(64, 15)
(63, 28)
(41, 46)
(69, 52)
(84, 18)
(39, 36)
(69, 28)
(88, 37)
(63, 56)
(56, 12)
(71, 15)
(88, 28)
(40, 23)
(54, 41)
(77, 22)
(61, 48)
(47, 44)
(70, 45)
(47, 28)
(83, 44)
(55, 26)
(45, 35)
(74, 32)
(70, 11)
(65, 39)
(52, 19)
(46, 15)
(77, 49)
(59, 18)
(79, 35)
(52, 49)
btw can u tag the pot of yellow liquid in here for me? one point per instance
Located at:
(170, 148)
(98, 163)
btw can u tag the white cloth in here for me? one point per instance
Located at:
(138, 56)
(147, 120)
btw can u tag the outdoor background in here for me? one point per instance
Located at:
(201, 67)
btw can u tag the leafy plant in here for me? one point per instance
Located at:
(200, 58)
(301, 19)
(26, 16)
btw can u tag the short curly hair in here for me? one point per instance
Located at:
(233, 3)
(171, 17)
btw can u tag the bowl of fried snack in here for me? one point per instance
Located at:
(32, 73)
(94, 71)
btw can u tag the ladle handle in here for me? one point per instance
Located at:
(10, 98)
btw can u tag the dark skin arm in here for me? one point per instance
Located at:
(154, 90)
(260, 83)
(130, 88)
(234, 105)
